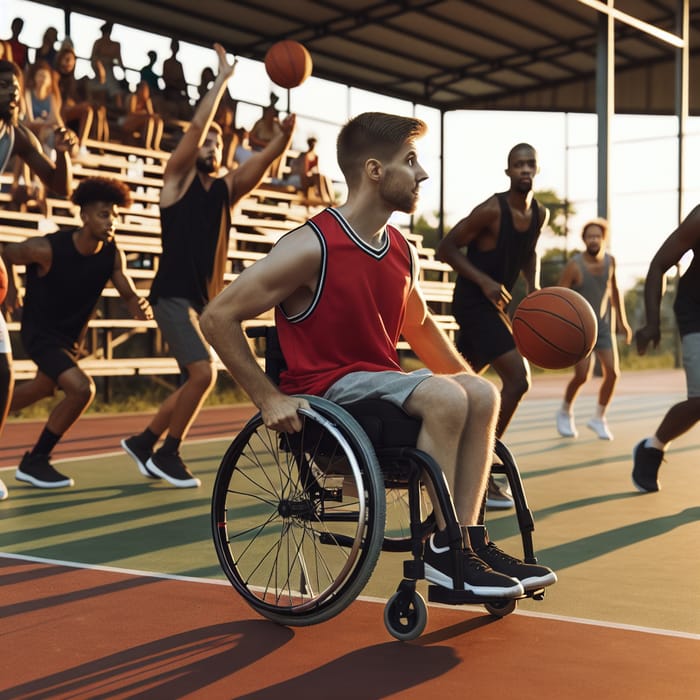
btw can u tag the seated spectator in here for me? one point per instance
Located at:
(95, 92)
(175, 97)
(41, 112)
(43, 103)
(225, 117)
(108, 51)
(205, 82)
(265, 130)
(148, 75)
(77, 114)
(20, 51)
(306, 177)
(140, 124)
(47, 51)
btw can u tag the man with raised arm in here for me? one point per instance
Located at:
(195, 207)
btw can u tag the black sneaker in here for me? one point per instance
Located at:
(498, 497)
(532, 576)
(38, 471)
(170, 467)
(139, 454)
(479, 578)
(647, 461)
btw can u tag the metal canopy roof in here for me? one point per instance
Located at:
(449, 54)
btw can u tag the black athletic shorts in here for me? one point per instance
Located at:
(484, 333)
(53, 360)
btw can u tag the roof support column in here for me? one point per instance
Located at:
(681, 97)
(605, 104)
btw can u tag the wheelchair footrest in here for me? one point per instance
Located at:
(439, 594)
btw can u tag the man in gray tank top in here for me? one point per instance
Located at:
(592, 274)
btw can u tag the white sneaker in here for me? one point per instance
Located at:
(600, 427)
(565, 424)
(3, 491)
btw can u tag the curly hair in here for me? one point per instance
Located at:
(101, 189)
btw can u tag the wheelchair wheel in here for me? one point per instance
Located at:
(298, 519)
(405, 619)
(501, 608)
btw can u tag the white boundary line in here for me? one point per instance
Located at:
(365, 599)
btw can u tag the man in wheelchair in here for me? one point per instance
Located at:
(344, 291)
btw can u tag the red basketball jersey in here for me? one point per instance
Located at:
(355, 319)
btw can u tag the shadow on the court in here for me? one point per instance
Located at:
(170, 667)
(594, 546)
(379, 671)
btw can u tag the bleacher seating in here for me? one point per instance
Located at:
(117, 345)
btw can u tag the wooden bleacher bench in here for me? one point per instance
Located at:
(258, 221)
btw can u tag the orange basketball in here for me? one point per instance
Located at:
(554, 327)
(288, 63)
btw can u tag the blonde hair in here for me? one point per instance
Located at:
(601, 223)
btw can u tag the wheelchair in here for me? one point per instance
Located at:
(299, 520)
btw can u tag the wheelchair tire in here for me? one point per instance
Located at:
(501, 608)
(405, 620)
(298, 519)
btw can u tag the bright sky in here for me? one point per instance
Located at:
(643, 158)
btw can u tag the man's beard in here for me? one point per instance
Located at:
(9, 116)
(206, 165)
(398, 197)
(593, 250)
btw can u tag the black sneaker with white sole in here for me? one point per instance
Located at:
(531, 576)
(479, 578)
(645, 473)
(169, 466)
(139, 454)
(38, 471)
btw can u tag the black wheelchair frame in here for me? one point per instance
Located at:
(314, 509)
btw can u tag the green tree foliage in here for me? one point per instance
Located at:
(559, 211)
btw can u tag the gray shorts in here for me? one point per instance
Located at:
(394, 387)
(691, 363)
(179, 324)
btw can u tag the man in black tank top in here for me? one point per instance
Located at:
(649, 453)
(500, 235)
(195, 206)
(17, 140)
(66, 273)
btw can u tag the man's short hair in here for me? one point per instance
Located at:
(101, 189)
(520, 147)
(373, 135)
(600, 222)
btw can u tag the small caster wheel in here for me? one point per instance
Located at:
(501, 608)
(405, 622)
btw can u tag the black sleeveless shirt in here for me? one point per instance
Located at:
(687, 304)
(195, 234)
(58, 306)
(504, 262)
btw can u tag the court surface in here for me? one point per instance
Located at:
(112, 589)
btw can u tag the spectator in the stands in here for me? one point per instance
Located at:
(175, 97)
(140, 124)
(20, 51)
(42, 103)
(47, 51)
(94, 91)
(307, 178)
(205, 82)
(264, 131)
(149, 76)
(76, 112)
(108, 51)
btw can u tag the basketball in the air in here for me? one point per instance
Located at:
(288, 63)
(554, 327)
